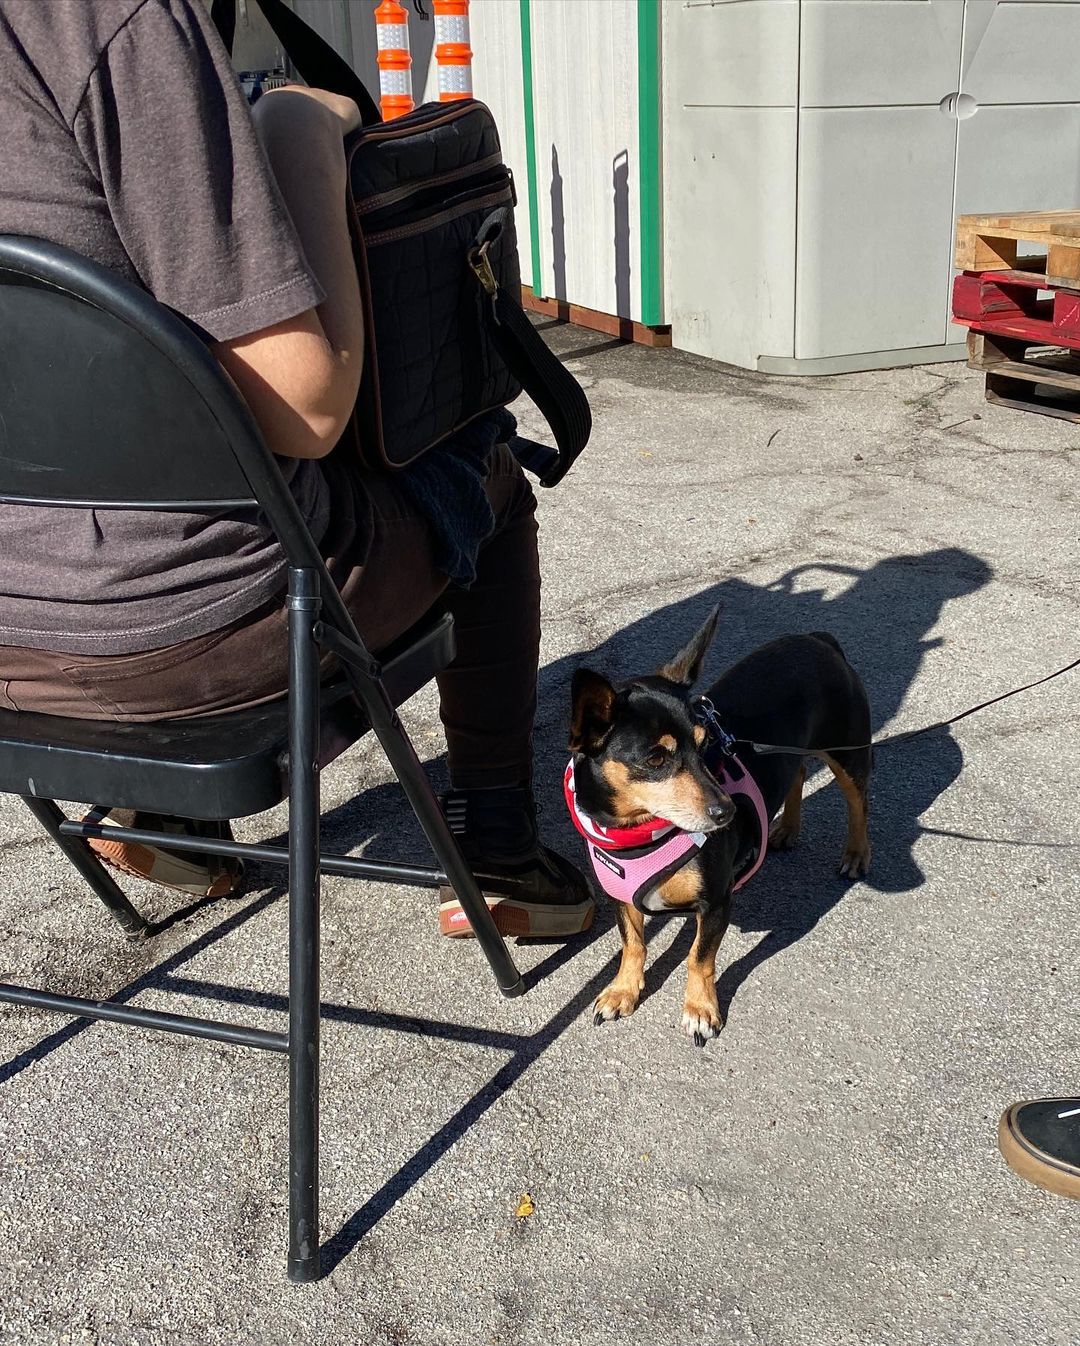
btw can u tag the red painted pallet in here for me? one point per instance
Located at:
(1023, 313)
(1017, 304)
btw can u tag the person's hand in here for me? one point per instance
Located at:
(343, 109)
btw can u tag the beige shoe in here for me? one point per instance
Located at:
(190, 872)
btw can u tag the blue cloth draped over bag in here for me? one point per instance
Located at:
(447, 486)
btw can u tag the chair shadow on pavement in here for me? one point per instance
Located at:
(882, 616)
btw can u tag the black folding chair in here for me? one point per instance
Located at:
(110, 401)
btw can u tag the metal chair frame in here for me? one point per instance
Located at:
(41, 283)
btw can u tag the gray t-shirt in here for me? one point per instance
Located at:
(127, 137)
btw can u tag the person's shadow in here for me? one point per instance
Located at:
(882, 617)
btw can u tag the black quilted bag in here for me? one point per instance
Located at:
(431, 214)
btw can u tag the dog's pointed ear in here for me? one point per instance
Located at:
(593, 699)
(685, 668)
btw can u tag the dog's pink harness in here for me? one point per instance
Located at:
(629, 862)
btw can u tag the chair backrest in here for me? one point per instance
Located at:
(109, 400)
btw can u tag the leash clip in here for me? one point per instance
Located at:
(705, 713)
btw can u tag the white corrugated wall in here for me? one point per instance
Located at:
(585, 98)
(586, 234)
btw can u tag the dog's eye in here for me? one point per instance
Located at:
(657, 759)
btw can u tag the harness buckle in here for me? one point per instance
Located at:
(706, 715)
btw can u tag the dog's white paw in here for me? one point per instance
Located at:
(701, 1022)
(618, 1002)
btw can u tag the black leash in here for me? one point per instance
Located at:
(905, 736)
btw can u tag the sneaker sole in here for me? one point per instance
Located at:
(152, 866)
(1052, 1175)
(514, 918)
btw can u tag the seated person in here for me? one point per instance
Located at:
(129, 140)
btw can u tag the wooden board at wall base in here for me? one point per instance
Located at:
(608, 323)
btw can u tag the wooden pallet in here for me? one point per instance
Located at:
(1029, 376)
(1016, 303)
(989, 243)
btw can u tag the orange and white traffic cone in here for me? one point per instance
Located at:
(452, 50)
(395, 61)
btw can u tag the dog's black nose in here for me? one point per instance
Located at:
(721, 812)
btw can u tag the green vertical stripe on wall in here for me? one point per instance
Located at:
(525, 7)
(648, 32)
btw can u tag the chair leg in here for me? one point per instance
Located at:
(50, 816)
(402, 757)
(304, 1008)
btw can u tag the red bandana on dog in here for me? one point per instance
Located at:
(611, 838)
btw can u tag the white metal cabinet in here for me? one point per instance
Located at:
(874, 229)
(857, 273)
(875, 175)
(730, 173)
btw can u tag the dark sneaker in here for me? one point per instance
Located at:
(529, 890)
(547, 897)
(1040, 1140)
(191, 872)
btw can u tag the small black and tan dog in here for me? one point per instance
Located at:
(638, 755)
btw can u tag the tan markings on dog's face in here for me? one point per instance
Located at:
(699, 734)
(667, 741)
(680, 799)
(683, 887)
(625, 804)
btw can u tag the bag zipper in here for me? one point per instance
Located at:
(398, 194)
(434, 200)
(444, 217)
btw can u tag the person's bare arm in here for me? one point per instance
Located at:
(300, 377)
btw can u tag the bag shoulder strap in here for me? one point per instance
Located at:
(314, 58)
(559, 396)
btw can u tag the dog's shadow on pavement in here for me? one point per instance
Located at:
(882, 616)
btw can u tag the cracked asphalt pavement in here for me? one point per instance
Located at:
(825, 1172)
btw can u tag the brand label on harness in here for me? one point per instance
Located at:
(607, 860)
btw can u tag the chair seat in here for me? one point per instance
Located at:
(213, 767)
